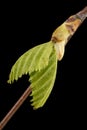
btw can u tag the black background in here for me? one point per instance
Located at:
(23, 26)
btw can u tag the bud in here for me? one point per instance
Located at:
(65, 31)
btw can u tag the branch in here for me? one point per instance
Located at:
(77, 19)
(82, 14)
(15, 108)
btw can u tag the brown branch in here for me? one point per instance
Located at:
(15, 108)
(81, 15)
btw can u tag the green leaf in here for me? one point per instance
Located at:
(34, 59)
(42, 82)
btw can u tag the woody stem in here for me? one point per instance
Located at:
(15, 108)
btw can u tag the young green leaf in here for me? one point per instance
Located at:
(42, 82)
(34, 59)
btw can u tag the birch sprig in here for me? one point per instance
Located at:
(41, 61)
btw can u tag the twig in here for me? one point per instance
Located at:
(82, 15)
(15, 108)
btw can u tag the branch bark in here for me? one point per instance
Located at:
(15, 108)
